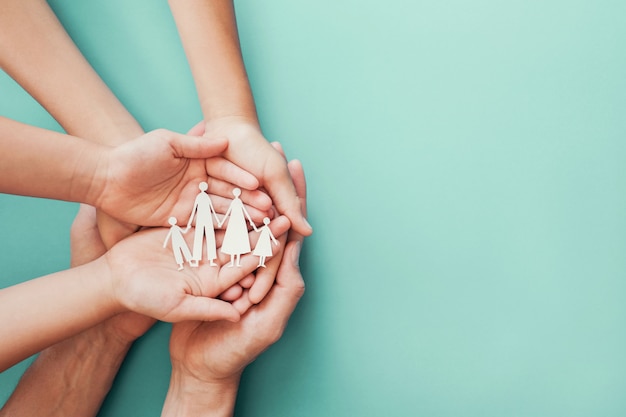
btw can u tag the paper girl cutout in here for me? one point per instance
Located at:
(263, 246)
(179, 246)
(236, 242)
(202, 210)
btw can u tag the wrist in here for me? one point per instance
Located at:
(89, 179)
(107, 291)
(189, 396)
(244, 120)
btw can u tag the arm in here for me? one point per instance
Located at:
(143, 181)
(69, 379)
(135, 275)
(209, 35)
(43, 163)
(72, 378)
(36, 51)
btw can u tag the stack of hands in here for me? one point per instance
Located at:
(123, 279)
(84, 320)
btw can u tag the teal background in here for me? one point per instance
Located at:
(467, 186)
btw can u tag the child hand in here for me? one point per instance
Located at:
(146, 180)
(145, 279)
(251, 151)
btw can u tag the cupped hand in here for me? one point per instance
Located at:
(156, 176)
(249, 150)
(145, 279)
(217, 352)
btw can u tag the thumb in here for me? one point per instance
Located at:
(196, 147)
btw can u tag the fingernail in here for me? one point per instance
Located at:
(296, 254)
(307, 223)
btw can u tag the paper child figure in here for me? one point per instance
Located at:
(236, 242)
(202, 210)
(179, 246)
(263, 246)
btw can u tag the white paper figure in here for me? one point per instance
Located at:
(179, 246)
(202, 210)
(236, 241)
(263, 246)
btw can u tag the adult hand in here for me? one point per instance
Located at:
(208, 358)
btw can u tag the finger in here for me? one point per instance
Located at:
(202, 308)
(233, 293)
(231, 275)
(195, 147)
(297, 174)
(221, 205)
(299, 181)
(242, 304)
(254, 198)
(265, 276)
(112, 230)
(227, 171)
(279, 148)
(289, 288)
(248, 281)
(85, 241)
(283, 192)
(279, 226)
(198, 129)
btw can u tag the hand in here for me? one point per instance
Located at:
(86, 245)
(264, 278)
(145, 279)
(156, 175)
(252, 152)
(208, 358)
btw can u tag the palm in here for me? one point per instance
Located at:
(148, 193)
(217, 350)
(157, 288)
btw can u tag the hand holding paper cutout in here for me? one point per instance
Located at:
(249, 149)
(208, 358)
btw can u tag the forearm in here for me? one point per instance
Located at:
(42, 163)
(38, 53)
(208, 31)
(41, 312)
(188, 397)
(69, 379)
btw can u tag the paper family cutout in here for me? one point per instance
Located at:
(236, 241)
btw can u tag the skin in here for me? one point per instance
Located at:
(208, 30)
(209, 358)
(143, 181)
(136, 275)
(78, 99)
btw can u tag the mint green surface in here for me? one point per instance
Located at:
(467, 184)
